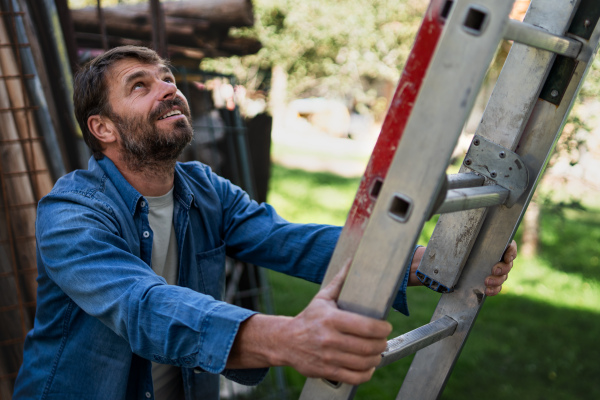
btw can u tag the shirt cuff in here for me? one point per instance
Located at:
(400, 303)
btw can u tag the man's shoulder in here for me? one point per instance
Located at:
(193, 168)
(90, 188)
(82, 181)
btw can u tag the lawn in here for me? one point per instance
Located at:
(536, 340)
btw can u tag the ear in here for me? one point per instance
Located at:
(102, 128)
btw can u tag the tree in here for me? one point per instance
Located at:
(340, 49)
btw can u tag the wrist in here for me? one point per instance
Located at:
(258, 343)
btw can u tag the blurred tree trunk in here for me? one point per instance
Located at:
(278, 97)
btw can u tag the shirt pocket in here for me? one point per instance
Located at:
(211, 269)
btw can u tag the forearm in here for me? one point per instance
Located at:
(256, 343)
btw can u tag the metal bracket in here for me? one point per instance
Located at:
(499, 165)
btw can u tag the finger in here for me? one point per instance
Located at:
(492, 290)
(494, 281)
(332, 290)
(352, 362)
(501, 269)
(348, 376)
(336, 341)
(359, 325)
(510, 253)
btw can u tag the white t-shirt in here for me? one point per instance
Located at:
(167, 379)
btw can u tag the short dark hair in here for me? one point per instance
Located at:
(90, 89)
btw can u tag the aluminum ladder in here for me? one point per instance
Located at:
(405, 182)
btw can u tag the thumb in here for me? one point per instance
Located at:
(332, 290)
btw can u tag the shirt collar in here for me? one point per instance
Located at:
(127, 192)
(131, 196)
(182, 192)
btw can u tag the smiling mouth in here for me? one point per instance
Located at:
(170, 114)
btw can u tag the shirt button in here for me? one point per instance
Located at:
(146, 234)
(143, 204)
(148, 394)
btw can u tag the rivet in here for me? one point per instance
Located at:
(435, 271)
(587, 23)
(468, 161)
(554, 93)
(502, 154)
(493, 174)
(476, 142)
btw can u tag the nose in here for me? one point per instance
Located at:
(167, 90)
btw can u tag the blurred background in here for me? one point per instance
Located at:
(287, 100)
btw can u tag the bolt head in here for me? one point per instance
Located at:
(468, 161)
(493, 174)
(476, 142)
(554, 93)
(502, 154)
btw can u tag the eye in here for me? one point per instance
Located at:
(169, 79)
(137, 85)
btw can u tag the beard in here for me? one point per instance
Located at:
(145, 147)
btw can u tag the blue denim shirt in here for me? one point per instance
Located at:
(103, 314)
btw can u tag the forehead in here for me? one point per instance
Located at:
(123, 71)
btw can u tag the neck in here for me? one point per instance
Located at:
(150, 179)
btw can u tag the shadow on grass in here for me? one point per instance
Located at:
(569, 241)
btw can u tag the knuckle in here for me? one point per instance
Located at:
(327, 358)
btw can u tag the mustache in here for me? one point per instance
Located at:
(167, 105)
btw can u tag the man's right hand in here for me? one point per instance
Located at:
(320, 342)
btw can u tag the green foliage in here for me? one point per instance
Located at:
(333, 48)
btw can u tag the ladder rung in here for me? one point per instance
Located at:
(464, 180)
(415, 340)
(473, 197)
(531, 35)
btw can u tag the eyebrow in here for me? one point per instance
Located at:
(142, 74)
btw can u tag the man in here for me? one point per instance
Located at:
(131, 262)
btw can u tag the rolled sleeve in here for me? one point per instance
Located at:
(219, 328)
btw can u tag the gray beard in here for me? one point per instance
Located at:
(145, 149)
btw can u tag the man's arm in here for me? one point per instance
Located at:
(326, 342)
(322, 341)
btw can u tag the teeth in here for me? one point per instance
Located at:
(171, 113)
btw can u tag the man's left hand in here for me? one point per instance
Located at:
(493, 283)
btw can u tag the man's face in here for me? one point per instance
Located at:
(151, 115)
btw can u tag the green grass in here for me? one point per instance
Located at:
(537, 340)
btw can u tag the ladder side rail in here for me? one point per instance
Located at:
(392, 129)
(505, 116)
(472, 32)
(431, 366)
